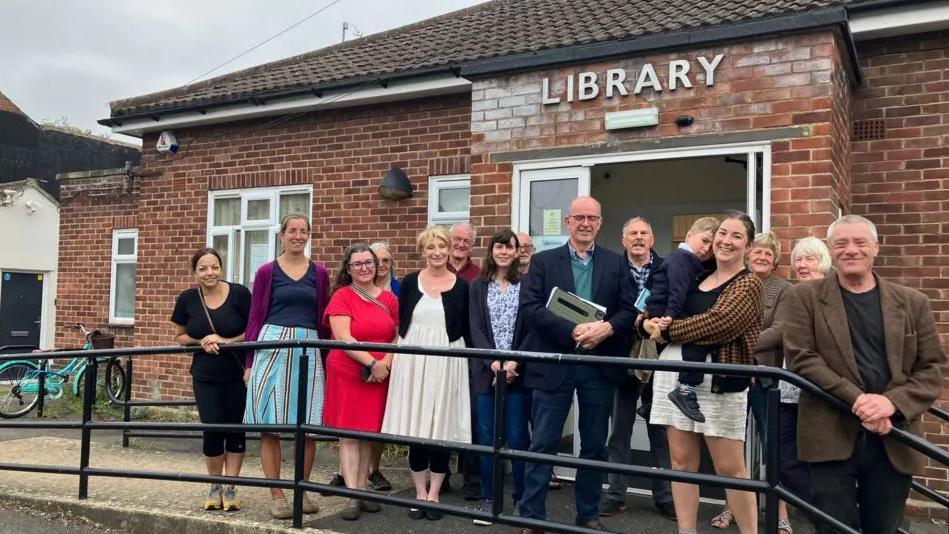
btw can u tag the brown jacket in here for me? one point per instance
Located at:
(817, 345)
(769, 350)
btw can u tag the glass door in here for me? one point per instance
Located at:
(544, 201)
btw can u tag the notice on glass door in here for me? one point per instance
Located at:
(552, 222)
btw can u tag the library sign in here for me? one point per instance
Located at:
(589, 85)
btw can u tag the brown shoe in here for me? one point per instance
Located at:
(596, 524)
(280, 509)
(310, 506)
(351, 513)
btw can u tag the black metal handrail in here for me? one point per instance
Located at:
(302, 431)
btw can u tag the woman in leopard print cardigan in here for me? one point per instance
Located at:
(723, 314)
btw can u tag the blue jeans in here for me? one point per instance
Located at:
(758, 402)
(517, 409)
(549, 412)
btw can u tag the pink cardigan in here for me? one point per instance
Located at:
(260, 303)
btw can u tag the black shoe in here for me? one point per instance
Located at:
(686, 401)
(643, 410)
(433, 515)
(377, 482)
(335, 480)
(446, 485)
(471, 491)
(665, 509)
(415, 513)
(610, 507)
(485, 507)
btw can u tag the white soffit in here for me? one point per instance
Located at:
(337, 98)
(901, 20)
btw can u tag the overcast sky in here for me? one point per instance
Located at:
(69, 58)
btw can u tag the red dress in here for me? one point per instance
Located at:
(352, 403)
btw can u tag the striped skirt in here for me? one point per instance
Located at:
(274, 378)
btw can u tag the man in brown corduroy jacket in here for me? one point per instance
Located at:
(874, 345)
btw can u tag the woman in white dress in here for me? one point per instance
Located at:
(429, 395)
(724, 315)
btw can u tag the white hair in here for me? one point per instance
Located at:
(853, 219)
(455, 226)
(631, 220)
(811, 246)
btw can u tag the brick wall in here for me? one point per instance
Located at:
(342, 153)
(92, 204)
(900, 180)
(798, 80)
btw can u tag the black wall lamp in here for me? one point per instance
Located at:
(395, 185)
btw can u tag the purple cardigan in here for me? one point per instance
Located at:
(260, 303)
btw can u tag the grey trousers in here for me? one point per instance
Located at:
(621, 431)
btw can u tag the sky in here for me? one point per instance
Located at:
(66, 59)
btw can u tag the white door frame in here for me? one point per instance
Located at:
(751, 150)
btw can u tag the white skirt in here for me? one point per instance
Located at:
(726, 414)
(428, 395)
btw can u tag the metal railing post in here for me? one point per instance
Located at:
(127, 409)
(497, 463)
(41, 403)
(300, 437)
(88, 401)
(773, 396)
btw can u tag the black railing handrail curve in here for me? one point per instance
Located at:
(765, 371)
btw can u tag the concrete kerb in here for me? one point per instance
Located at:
(135, 521)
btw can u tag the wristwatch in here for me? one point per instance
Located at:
(370, 365)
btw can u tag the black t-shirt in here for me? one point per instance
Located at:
(230, 320)
(865, 320)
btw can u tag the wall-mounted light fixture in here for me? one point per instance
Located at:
(395, 185)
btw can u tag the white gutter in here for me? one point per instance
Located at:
(901, 20)
(441, 84)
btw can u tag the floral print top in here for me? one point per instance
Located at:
(502, 310)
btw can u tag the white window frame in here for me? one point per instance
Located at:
(437, 184)
(236, 233)
(122, 259)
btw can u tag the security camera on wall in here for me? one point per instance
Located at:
(167, 143)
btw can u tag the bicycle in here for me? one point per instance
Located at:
(20, 379)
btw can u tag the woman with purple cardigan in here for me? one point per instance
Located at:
(289, 296)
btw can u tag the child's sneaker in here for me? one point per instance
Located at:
(684, 398)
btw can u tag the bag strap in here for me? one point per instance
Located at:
(206, 312)
(365, 294)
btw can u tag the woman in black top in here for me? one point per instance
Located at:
(212, 314)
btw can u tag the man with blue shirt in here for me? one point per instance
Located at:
(601, 276)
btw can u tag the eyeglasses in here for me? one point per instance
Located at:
(362, 265)
(386, 261)
(581, 218)
(467, 242)
(526, 248)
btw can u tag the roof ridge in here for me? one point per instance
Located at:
(312, 53)
(7, 105)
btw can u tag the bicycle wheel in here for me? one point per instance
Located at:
(115, 377)
(19, 389)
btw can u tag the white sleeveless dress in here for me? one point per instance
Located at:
(428, 395)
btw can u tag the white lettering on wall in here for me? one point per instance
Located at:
(678, 73)
(710, 68)
(546, 92)
(647, 77)
(615, 80)
(587, 87)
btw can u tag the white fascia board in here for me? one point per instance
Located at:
(407, 89)
(902, 20)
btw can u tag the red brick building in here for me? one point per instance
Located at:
(795, 111)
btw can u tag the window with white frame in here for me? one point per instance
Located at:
(243, 226)
(122, 286)
(448, 199)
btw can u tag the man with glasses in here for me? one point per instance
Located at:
(525, 251)
(601, 276)
(459, 259)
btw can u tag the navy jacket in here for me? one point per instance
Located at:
(545, 332)
(482, 337)
(671, 283)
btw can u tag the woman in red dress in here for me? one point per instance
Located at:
(358, 311)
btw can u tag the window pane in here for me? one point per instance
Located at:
(227, 211)
(124, 291)
(126, 246)
(453, 199)
(549, 203)
(221, 243)
(294, 203)
(256, 253)
(258, 210)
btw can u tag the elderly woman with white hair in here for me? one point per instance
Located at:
(385, 273)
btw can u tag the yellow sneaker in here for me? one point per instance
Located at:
(230, 500)
(214, 499)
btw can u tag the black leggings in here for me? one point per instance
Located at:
(221, 402)
(422, 458)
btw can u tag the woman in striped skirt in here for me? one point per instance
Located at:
(289, 296)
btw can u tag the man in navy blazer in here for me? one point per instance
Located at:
(599, 275)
